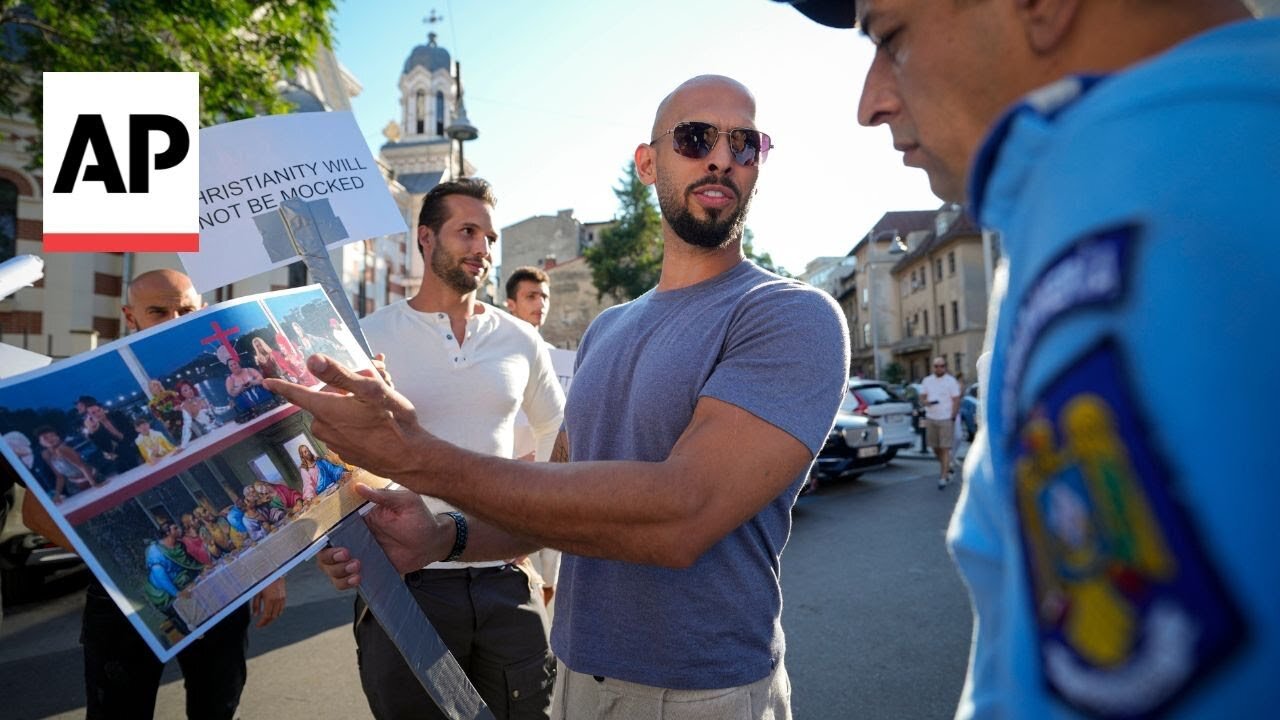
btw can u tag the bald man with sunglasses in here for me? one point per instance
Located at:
(695, 413)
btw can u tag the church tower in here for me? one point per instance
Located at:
(418, 151)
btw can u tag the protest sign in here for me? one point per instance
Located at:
(249, 168)
(14, 360)
(182, 481)
(269, 198)
(562, 361)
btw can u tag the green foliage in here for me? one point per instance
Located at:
(764, 260)
(894, 374)
(627, 259)
(241, 48)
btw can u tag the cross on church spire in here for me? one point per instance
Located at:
(431, 21)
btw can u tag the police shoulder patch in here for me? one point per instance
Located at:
(1129, 612)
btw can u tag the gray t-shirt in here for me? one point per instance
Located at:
(776, 348)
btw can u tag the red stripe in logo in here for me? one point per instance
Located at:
(122, 242)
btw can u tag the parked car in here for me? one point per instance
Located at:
(969, 411)
(875, 400)
(855, 444)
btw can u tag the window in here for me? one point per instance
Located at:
(955, 316)
(439, 113)
(958, 368)
(420, 111)
(866, 334)
(951, 262)
(866, 296)
(297, 274)
(937, 268)
(926, 322)
(942, 319)
(8, 220)
(873, 395)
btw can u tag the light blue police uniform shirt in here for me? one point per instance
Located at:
(1118, 529)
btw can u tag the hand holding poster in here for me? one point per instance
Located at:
(250, 167)
(183, 482)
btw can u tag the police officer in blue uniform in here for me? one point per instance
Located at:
(1117, 525)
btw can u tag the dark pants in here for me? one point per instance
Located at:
(492, 623)
(122, 675)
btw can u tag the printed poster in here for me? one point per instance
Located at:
(248, 168)
(181, 480)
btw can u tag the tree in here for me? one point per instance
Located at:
(764, 260)
(241, 48)
(894, 374)
(627, 260)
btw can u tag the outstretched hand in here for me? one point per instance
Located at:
(359, 415)
(408, 533)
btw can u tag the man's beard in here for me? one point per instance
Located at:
(715, 231)
(445, 267)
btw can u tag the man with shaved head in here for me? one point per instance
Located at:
(122, 675)
(157, 296)
(695, 413)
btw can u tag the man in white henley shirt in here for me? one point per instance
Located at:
(476, 366)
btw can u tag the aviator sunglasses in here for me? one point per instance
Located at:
(696, 139)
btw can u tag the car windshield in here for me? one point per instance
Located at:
(849, 404)
(875, 395)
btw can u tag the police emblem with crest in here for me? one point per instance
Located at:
(1128, 609)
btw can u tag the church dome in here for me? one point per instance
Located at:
(431, 56)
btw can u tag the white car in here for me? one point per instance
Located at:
(876, 401)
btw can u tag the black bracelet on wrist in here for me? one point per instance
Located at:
(460, 536)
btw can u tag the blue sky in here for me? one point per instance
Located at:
(104, 377)
(563, 91)
(165, 352)
(283, 305)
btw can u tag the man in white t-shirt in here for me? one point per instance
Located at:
(476, 367)
(940, 395)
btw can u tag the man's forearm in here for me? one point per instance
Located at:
(622, 510)
(38, 520)
(485, 541)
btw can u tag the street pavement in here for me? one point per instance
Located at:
(877, 621)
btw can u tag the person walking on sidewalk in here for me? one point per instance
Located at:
(940, 395)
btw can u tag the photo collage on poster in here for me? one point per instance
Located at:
(185, 483)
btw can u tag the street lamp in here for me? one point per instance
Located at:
(461, 129)
(896, 247)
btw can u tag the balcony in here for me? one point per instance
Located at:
(912, 344)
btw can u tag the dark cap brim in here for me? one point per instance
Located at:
(832, 13)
